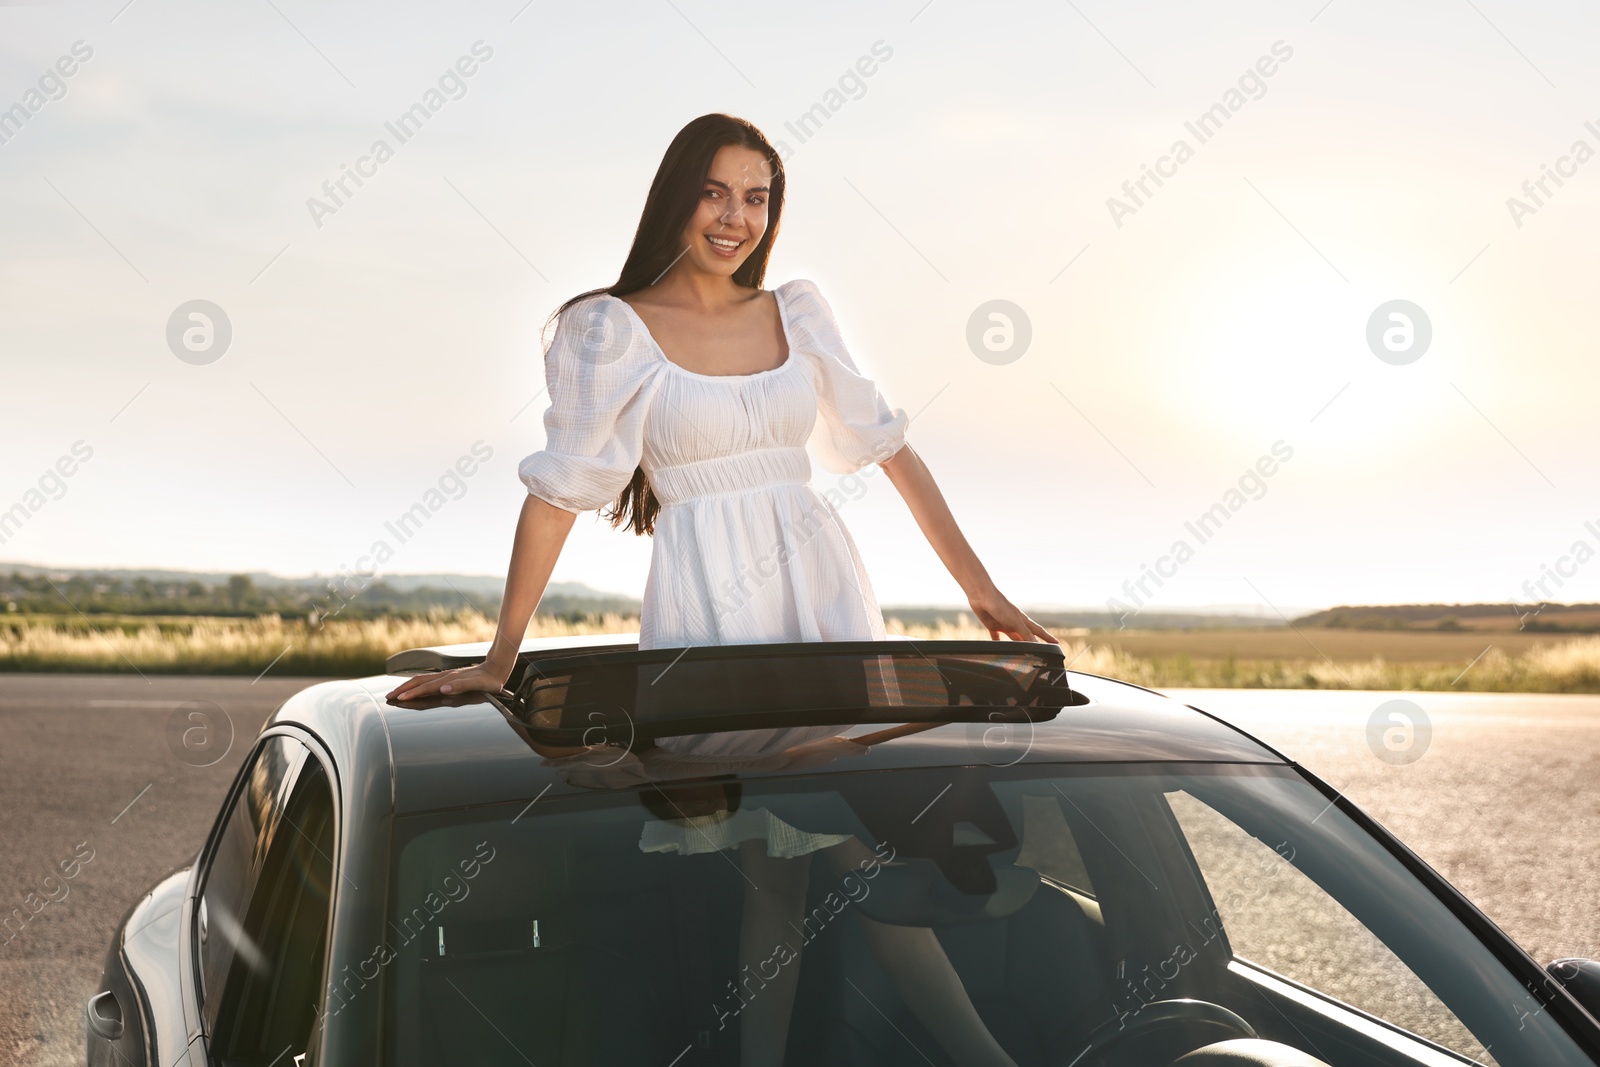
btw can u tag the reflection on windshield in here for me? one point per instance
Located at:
(1033, 914)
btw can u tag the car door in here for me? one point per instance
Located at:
(264, 903)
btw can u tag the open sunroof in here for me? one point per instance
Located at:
(623, 697)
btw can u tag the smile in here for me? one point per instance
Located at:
(724, 246)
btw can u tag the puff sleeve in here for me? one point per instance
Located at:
(600, 381)
(855, 425)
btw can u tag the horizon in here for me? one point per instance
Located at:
(1241, 610)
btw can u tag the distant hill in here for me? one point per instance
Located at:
(1555, 618)
(33, 588)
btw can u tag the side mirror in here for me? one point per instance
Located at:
(105, 1015)
(1581, 978)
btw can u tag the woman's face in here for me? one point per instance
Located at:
(731, 217)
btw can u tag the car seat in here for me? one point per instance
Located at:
(1039, 977)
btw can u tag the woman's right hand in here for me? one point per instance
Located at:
(479, 677)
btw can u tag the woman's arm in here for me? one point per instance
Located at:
(541, 532)
(916, 485)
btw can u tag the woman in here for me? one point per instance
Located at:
(684, 395)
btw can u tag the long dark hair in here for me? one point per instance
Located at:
(673, 198)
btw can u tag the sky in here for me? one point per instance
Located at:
(1225, 342)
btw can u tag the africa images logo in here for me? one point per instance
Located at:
(451, 85)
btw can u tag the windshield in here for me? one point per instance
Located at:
(914, 916)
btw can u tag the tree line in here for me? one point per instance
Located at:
(239, 595)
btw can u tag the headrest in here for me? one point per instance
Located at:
(497, 874)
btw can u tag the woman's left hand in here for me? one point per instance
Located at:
(1001, 616)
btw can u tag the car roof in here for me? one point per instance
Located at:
(471, 750)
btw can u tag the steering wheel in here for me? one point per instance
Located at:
(1164, 1013)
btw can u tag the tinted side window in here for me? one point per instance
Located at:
(267, 1010)
(246, 836)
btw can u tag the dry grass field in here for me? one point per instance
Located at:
(1309, 658)
(1284, 658)
(215, 645)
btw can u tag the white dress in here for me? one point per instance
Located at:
(745, 549)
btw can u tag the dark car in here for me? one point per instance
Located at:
(558, 874)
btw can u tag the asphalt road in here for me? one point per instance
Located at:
(86, 769)
(1502, 797)
(1501, 800)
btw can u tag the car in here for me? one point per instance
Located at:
(531, 876)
